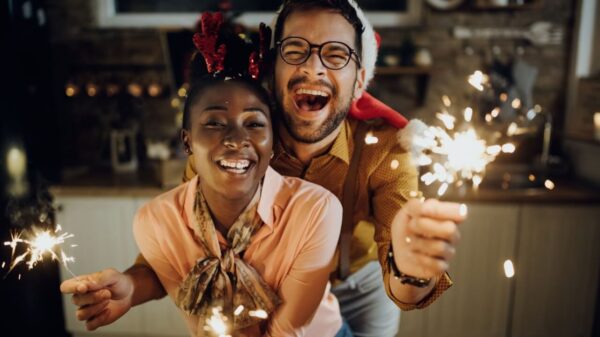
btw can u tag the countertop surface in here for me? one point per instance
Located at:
(108, 184)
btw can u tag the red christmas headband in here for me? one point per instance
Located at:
(206, 43)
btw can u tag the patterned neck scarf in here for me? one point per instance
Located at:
(222, 279)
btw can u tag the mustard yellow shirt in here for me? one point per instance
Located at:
(385, 179)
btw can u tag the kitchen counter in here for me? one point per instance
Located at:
(105, 183)
(145, 184)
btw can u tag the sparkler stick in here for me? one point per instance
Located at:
(38, 244)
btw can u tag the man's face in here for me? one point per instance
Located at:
(313, 99)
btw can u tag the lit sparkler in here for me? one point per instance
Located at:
(217, 323)
(39, 244)
(453, 157)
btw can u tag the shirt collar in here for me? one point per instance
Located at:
(340, 147)
(271, 186)
(341, 144)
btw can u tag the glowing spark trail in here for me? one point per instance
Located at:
(453, 158)
(38, 244)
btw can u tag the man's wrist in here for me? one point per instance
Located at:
(402, 277)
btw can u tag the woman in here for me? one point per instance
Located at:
(239, 241)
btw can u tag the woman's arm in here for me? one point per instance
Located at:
(303, 288)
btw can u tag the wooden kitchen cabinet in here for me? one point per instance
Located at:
(557, 274)
(478, 302)
(103, 233)
(556, 255)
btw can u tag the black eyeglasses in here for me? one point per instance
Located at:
(334, 55)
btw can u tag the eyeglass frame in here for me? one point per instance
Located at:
(319, 47)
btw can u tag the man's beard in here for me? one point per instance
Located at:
(329, 125)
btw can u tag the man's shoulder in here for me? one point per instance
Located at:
(382, 137)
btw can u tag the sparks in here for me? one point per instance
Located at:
(509, 269)
(217, 323)
(258, 313)
(370, 139)
(478, 80)
(453, 157)
(39, 243)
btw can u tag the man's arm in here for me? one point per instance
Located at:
(391, 187)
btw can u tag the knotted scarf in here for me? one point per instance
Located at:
(222, 279)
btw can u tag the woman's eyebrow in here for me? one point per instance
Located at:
(255, 109)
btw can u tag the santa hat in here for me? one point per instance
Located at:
(367, 106)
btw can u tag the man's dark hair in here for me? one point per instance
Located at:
(342, 7)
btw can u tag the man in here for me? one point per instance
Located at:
(323, 63)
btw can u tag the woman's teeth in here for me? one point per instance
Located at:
(237, 166)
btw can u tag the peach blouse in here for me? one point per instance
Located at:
(292, 250)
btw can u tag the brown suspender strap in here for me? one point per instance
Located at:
(348, 200)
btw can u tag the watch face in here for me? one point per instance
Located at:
(444, 4)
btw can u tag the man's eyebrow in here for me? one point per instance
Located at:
(294, 43)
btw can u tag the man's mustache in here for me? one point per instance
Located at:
(304, 80)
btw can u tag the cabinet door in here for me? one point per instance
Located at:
(162, 317)
(102, 229)
(557, 274)
(478, 302)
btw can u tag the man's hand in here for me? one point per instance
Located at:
(102, 297)
(424, 236)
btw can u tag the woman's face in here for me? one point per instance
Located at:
(231, 139)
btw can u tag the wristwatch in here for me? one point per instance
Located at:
(404, 278)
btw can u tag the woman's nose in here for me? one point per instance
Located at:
(235, 138)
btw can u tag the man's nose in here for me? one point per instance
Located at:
(236, 137)
(313, 65)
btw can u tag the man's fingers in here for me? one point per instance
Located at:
(436, 209)
(442, 210)
(91, 297)
(433, 248)
(431, 228)
(430, 266)
(86, 312)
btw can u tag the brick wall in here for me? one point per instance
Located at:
(81, 50)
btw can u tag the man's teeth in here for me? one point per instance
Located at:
(235, 164)
(312, 92)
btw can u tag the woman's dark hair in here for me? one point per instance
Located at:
(239, 47)
(200, 85)
(342, 7)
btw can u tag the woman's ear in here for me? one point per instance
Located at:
(185, 139)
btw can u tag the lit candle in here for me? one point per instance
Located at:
(597, 126)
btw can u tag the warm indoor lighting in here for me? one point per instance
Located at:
(597, 125)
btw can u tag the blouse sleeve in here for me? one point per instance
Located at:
(303, 288)
(145, 233)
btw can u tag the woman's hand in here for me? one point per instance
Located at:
(102, 297)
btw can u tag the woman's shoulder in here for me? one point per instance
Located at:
(168, 204)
